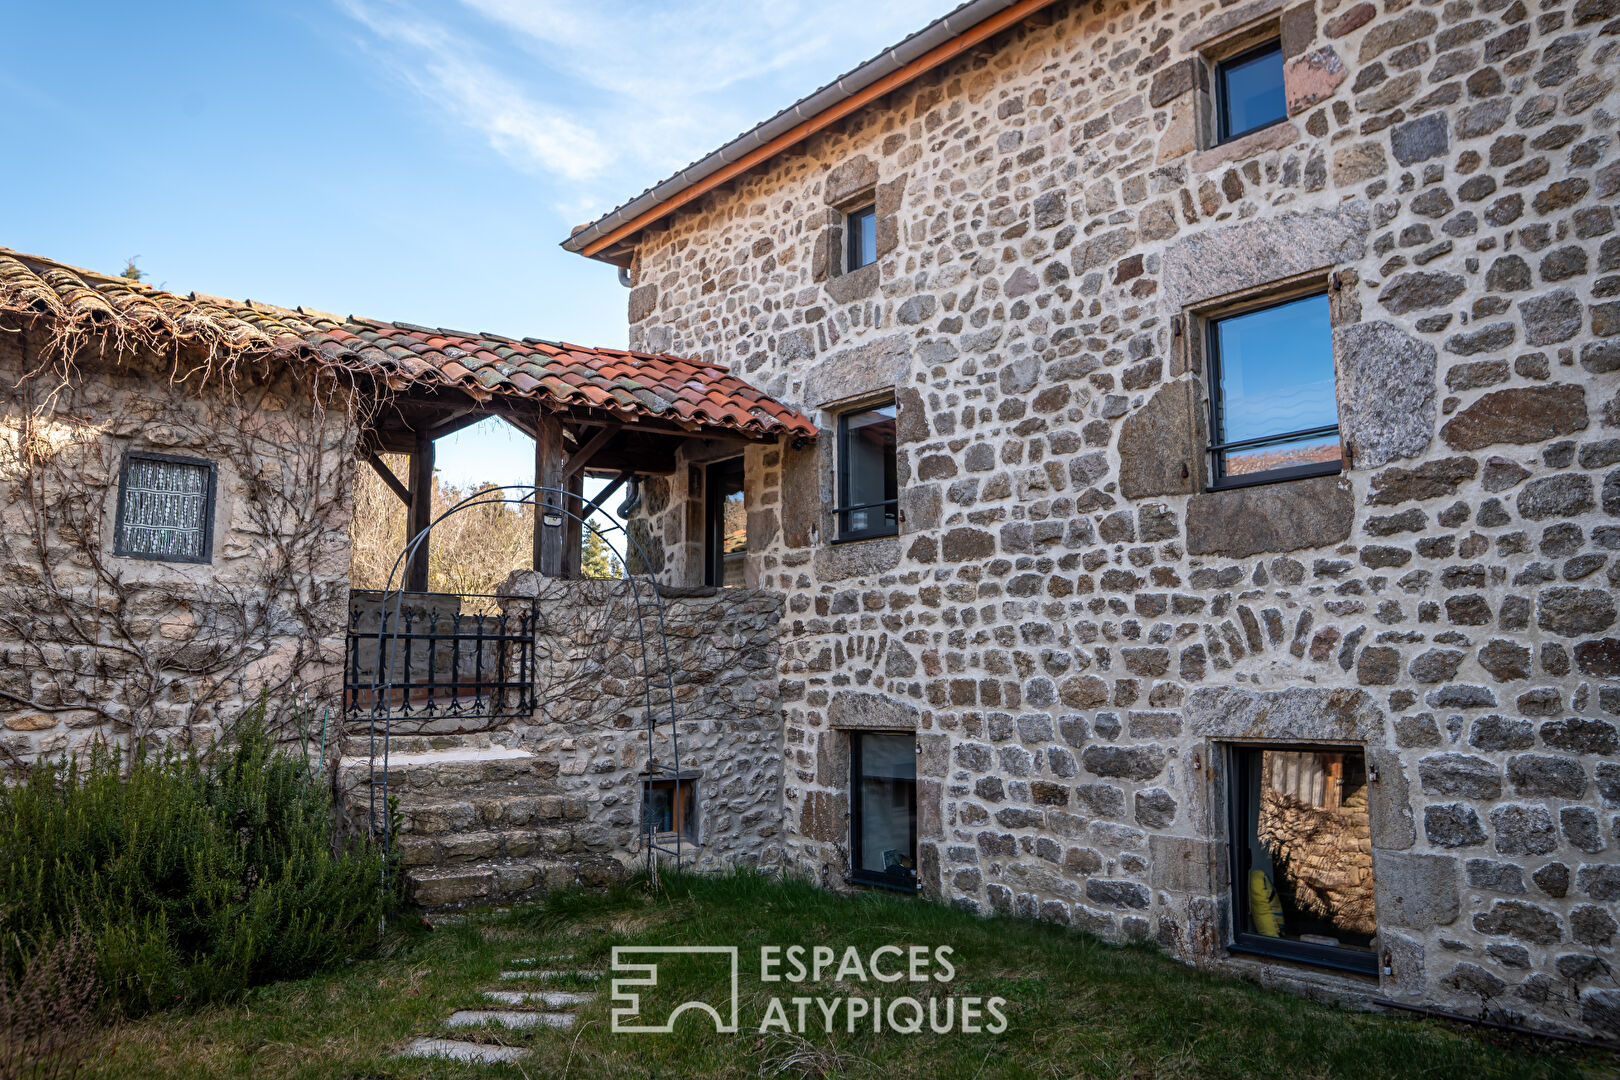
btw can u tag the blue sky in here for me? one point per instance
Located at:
(399, 159)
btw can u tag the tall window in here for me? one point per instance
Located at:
(1274, 415)
(883, 814)
(1302, 880)
(860, 238)
(165, 508)
(727, 529)
(868, 485)
(1249, 90)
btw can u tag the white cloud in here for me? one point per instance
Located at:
(617, 88)
(429, 58)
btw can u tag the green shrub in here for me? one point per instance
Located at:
(193, 878)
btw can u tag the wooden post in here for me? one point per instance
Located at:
(548, 468)
(419, 514)
(575, 531)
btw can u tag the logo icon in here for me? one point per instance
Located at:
(626, 1014)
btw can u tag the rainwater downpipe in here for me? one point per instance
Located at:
(632, 499)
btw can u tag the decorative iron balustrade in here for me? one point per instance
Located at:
(443, 656)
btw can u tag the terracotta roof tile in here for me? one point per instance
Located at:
(629, 385)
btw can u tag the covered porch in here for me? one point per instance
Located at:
(611, 415)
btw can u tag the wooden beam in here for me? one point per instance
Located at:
(456, 423)
(419, 513)
(394, 483)
(582, 457)
(607, 492)
(548, 466)
(931, 59)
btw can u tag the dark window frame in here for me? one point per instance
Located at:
(1361, 962)
(713, 541)
(687, 827)
(1218, 447)
(131, 456)
(1223, 116)
(902, 881)
(841, 508)
(855, 233)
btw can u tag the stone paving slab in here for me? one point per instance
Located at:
(509, 1018)
(556, 999)
(456, 1050)
(551, 974)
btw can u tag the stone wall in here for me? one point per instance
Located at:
(1073, 625)
(93, 644)
(723, 653)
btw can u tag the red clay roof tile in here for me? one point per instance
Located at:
(631, 385)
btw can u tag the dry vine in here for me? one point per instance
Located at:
(132, 648)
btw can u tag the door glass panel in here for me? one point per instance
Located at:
(1307, 872)
(886, 779)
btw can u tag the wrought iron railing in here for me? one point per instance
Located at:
(440, 656)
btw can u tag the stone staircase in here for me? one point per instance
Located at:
(481, 820)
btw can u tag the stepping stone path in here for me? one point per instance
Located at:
(556, 1002)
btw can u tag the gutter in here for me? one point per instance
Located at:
(593, 239)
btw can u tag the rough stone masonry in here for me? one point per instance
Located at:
(1072, 623)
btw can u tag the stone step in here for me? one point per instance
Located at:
(497, 881)
(589, 976)
(552, 999)
(450, 850)
(456, 1050)
(457, 770)
(479, 812)
(358, 742)
(509, 1018)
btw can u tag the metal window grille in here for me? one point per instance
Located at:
(165, 508)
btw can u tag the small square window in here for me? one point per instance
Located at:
(669, 807)
(1249, 90)
(860, 238)
(883, 818)
(165, 509)
(1273, 410)
(868, 484)
(1302, 874)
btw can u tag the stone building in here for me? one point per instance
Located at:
(176, 493)
(1216, 530)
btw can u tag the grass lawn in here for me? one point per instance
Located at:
(1074, 1006)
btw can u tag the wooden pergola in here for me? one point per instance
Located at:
(569, 444)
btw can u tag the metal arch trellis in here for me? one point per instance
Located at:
(658, 693)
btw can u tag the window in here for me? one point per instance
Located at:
(669, 808)
(727, 529)
(868, 488)
(165, 509)
(1302, 883)
(860, 238)
(883, 816)
(1249, 90)
(1273, 411)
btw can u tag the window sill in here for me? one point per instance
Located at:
(865, 536)
(1272, 137)
(1277, 476)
